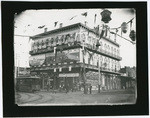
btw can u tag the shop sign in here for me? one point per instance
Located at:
(69, 75)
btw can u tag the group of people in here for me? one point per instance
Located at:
(65, 87)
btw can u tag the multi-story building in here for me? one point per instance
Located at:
(57, 56)
(128, 77)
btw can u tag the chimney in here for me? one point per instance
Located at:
(45, 29)
(60, 25)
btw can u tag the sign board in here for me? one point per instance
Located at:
(37, 60)
(65, 56)
(69, 75)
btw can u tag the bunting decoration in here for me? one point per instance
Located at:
(84, 14)
(55, 23)
(102, 33)
(130, 25)
(95, 18)
(40, 27)
(106, 26)
(73, 17)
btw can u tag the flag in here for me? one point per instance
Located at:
(73, 17)
(102, 32)
(84, 14)
(40, 27)
(55, 23)
(130, 25)
(95, 18)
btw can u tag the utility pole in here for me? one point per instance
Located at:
(84, 72)
(99, 76)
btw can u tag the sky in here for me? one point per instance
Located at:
(27, 22)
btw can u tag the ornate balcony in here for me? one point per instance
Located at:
(75, 45)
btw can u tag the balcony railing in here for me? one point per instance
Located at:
(94, 49)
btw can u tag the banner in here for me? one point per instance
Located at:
(65, 56)
(37, 60)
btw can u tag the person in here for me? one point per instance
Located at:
(90, 89)
(67, 88)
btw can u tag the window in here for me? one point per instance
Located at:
(105, 47)
(108, 48)
(114, 51)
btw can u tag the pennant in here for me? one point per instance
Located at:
(130, 25)
(84, 14)
(95, 18)
(102, 33)
(55, 23)
(73, 17)
(40, 27)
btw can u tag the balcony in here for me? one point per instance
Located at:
(74, 65)
(75, 45)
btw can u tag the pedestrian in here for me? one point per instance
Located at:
(90, 89)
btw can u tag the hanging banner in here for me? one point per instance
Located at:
(92, 78)
(65, 56)
(37, 60)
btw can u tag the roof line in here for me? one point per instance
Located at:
(62, 28)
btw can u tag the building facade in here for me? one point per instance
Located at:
(69, 56)
(128, 77)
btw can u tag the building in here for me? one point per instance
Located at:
(128, 77)
(69, 56)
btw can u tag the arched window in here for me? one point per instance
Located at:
(52, 41)
(39, 44)
(35, 45)
(108, 49)
(105, 47)
(108, 63)
(112, 64)
(114, 51)
(62, 39)
(56, 40)
(101, 61)
(83, 37)
(111, 50)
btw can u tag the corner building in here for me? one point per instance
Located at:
(57, 57)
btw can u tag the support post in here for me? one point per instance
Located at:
(84, 72)
(55, 52)
(99, 76)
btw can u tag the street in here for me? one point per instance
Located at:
(75, 98)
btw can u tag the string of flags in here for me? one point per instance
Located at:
(106, 17)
